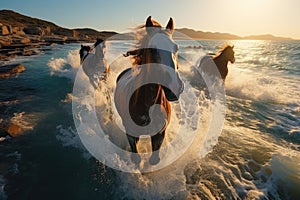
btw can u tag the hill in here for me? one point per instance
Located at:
(226, 36)
(29, 25)
(20, 34)
(208, 35)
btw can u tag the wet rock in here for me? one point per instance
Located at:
(14, 130)
(11, 70)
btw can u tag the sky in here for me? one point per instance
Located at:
(240, 17)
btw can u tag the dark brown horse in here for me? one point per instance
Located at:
(221, 60)
(215, 65)
(156, 46)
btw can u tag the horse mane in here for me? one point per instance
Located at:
(222, 50)
(142, 38)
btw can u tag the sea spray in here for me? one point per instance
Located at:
(66, 67)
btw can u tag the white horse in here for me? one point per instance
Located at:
(94, 65)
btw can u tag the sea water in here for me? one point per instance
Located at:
(257, 154)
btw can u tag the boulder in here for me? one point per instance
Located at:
(11, 70)
(16, 39)
(5, 41)
(5, 30)
(33, 30)
(25, 40)
(47, 30)
(18, 30)
(14, 130)
(34, 38)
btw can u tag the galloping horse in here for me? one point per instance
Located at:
(157, 46)
(220, 59)
(94, 64)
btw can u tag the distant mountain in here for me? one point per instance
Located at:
(225, 36)
(207, 35)
(265, 37)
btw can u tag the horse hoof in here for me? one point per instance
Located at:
(154, 159)
(135, 158)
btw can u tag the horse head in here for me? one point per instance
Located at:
(100, 48)
(158, 46)
(229, 53)
(83, 52)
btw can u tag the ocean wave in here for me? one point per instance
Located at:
(246, 84)
(65, 67)
(285, 178)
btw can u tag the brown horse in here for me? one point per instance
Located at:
(221, 59)
(155, 49)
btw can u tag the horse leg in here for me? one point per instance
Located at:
(156, 141)
(135, 157)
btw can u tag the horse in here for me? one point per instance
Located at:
(94, 64)
(220, 60)
(156, 46)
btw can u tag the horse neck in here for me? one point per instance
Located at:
(148, 94)
(221, 62)
(99, 52)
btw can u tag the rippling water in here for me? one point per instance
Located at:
(256, 157)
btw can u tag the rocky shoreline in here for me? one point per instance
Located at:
(22, 35)
(26, 42)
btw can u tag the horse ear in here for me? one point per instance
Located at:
(149, 22)
(232, 46)
(170, 25)
(81, 46)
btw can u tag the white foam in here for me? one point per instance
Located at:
(285, 176)
(247, 84)
(65, 67)
(152, 185)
